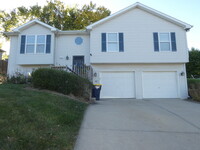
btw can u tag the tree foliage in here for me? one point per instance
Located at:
(54, 13)
(193, 67)
(5, 56)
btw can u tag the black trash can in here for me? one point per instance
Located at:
(96, 91)
(93, 92)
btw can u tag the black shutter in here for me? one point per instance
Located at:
(48, 44)
(121, 42)
(23, 43)
(103, 42)
(156, 41)
(173, 41)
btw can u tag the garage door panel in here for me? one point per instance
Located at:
(160, 85)
(117, 85)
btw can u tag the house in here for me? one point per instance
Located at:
(1, 53)
(137, 52)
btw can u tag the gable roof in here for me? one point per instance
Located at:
(32, 22)
(36, 21)
(147, 9)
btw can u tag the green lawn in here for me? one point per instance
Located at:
(32, 120)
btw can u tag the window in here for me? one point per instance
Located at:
(78, 40)
(164, 42)
(40, 47)
(112, 42)
(32, 44)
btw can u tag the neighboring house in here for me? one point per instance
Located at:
(1, 53)
(137, 52)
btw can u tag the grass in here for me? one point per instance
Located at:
(32, 120)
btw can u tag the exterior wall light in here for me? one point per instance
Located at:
(95, 74)
(182, 73)
(67, 57)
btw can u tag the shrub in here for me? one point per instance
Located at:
(193, 66)
(19, 78)
(61, 81)
(194, 88)
(3, 78)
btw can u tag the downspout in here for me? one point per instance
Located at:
(186, 84)
(54, 47)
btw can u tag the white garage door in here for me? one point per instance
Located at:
(160, 85)
(117, 85)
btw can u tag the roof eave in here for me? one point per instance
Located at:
(35, 21)
(73, 32)
(2, 51)
(111, 16)
(11, 33)
(164, 16)
(145, 8)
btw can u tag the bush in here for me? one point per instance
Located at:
(3, 78)
(61, 81)
(193, 66)
(19, 78)
(194, 88)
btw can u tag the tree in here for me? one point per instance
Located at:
(193, 67)
(54, 13)
(5, 56)
(90, 14)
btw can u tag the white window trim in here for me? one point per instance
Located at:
(170, 40)
(35, 44)
(107, 50)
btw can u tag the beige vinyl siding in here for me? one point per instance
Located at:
(138, 27)
(66, 46)
(38, 58)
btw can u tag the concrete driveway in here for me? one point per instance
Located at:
(130, 124)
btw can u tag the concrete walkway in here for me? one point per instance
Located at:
(129, 124)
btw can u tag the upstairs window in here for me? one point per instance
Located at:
(35, 44)
(164, 41)
(112, 42)
(30, 44)
(40, 45)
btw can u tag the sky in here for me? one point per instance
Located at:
(184, 10)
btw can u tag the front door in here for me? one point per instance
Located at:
(78, 61)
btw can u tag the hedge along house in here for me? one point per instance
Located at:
(137, 52)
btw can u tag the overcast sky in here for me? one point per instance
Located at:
(184, 10)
